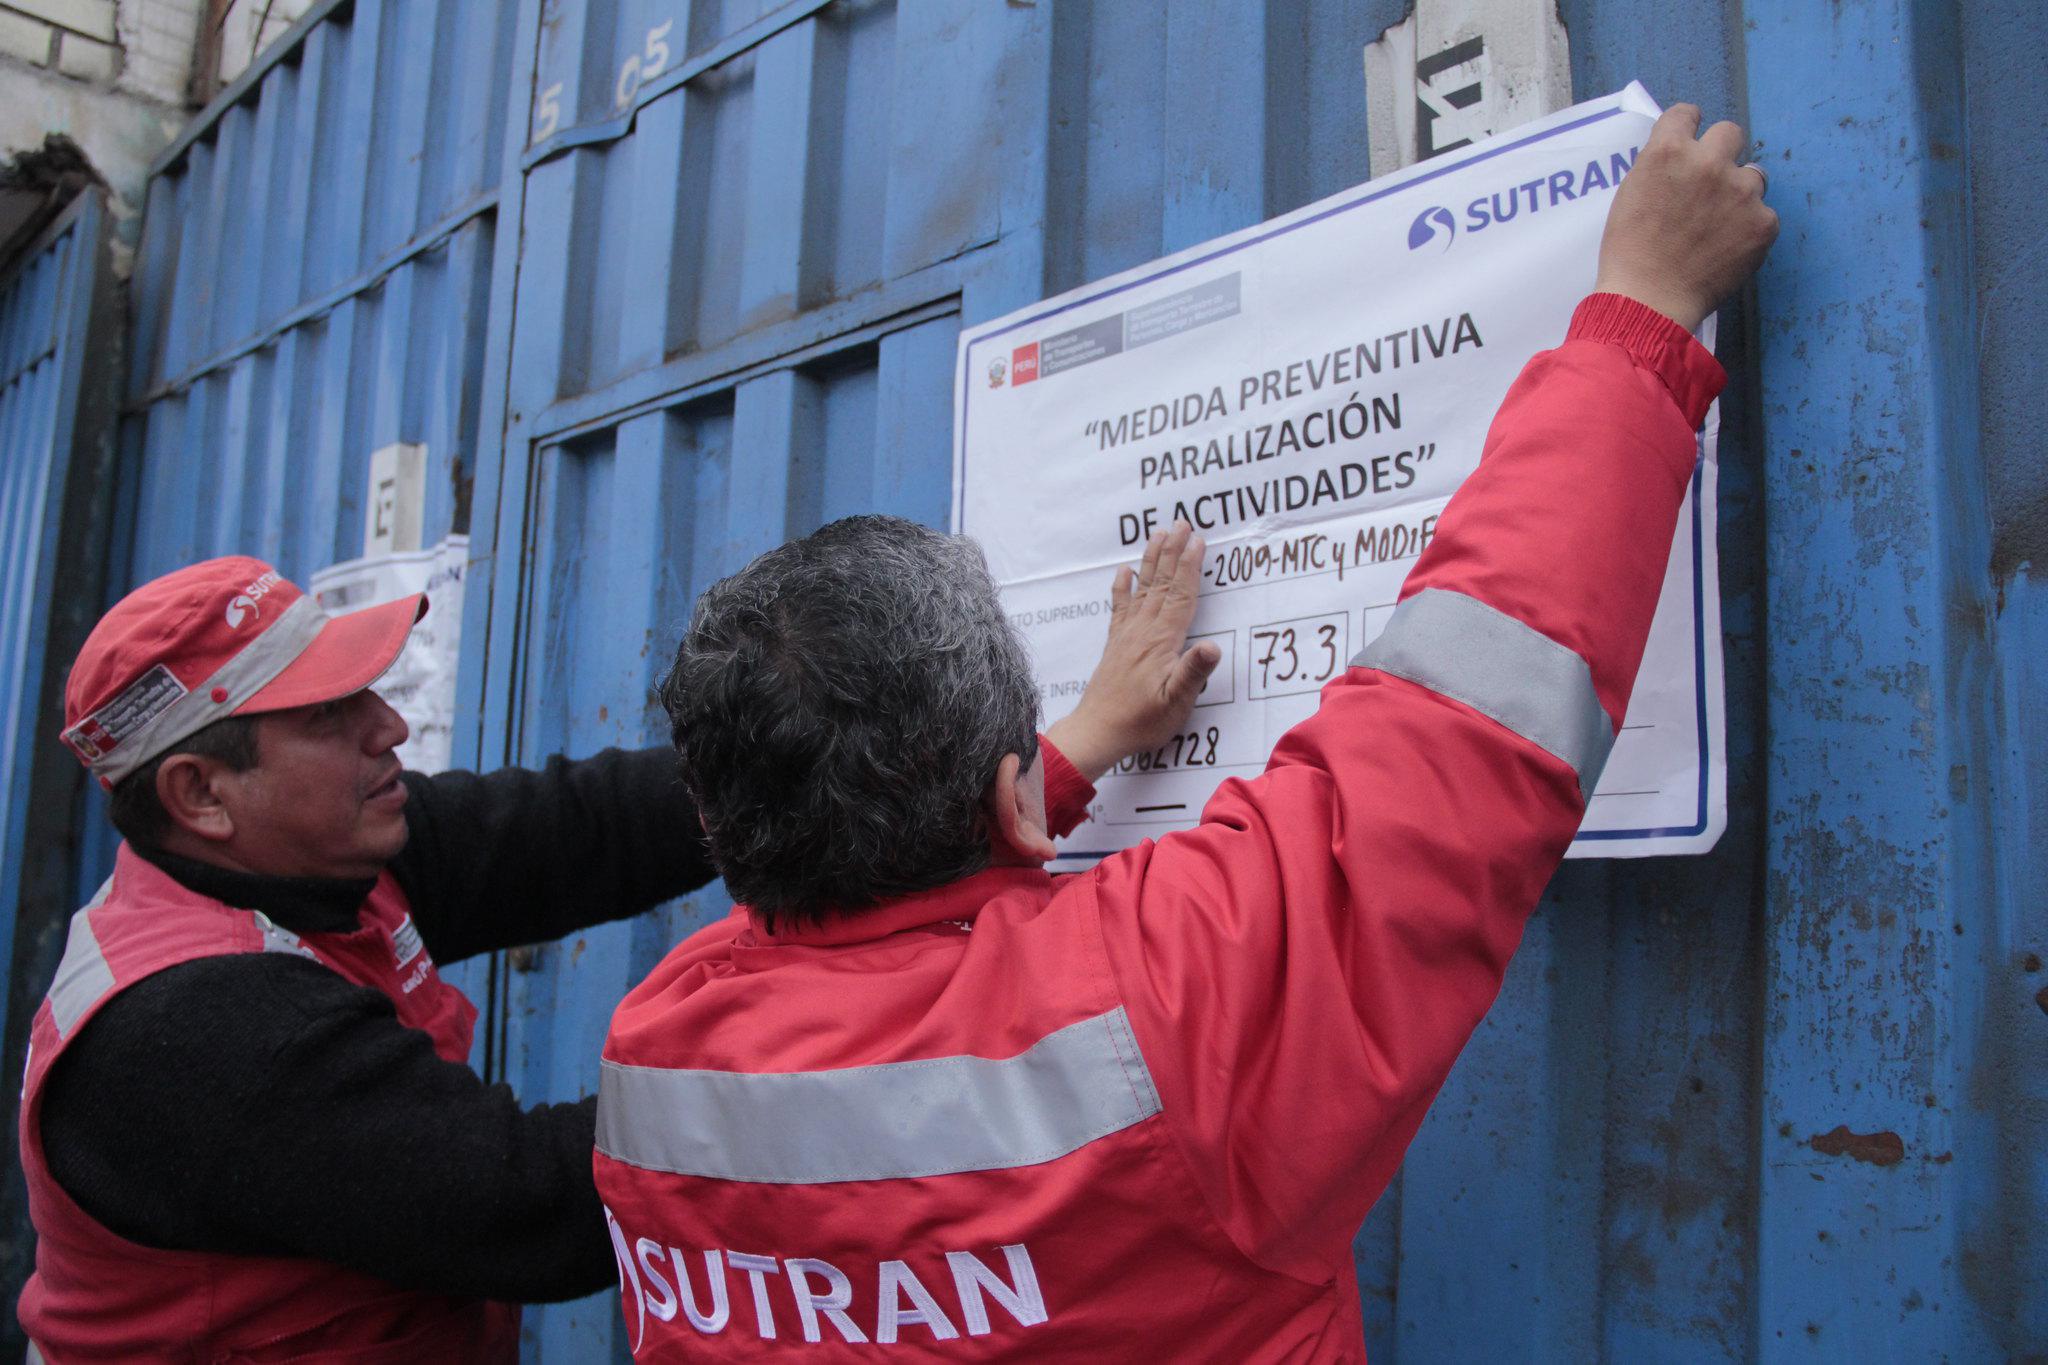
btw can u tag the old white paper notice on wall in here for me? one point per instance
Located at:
(420, 684)
(1309, 393)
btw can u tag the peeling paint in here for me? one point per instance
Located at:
(1878, 1149)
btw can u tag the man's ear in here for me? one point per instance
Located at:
(1017, 835)
(188, 785)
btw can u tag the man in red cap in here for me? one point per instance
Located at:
(248, 1126)
(248, 1115)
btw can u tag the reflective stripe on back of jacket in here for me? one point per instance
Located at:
(1142, 1112)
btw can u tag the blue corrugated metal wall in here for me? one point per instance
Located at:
(313, 283)
(704, 294)
(45, 309)
(736, 309)
(1897, 932)
(59, 325)
(2005, 1259)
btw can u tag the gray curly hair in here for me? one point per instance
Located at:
(840, 706)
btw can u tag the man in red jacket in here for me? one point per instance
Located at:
(952, 1103)
(249, 1129)
(248, 1118)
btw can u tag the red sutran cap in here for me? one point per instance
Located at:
(228, 637)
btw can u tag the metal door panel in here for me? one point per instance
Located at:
(59, 342)
(670, 312)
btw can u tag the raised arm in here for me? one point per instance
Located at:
(1303, 968)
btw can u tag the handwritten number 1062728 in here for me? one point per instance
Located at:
(1195, 748)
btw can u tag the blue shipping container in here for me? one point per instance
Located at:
(660, 283)
(59, 321)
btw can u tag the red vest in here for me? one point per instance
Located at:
(928, 1128)
(96, 1296)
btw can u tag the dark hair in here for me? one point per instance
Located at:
(133, 805)
(841, 706)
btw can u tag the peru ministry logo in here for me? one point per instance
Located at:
(1424, 229)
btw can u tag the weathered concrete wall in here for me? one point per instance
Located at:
(251, 26)
(111, 74)
(117, 75)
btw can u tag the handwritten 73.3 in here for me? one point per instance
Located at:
(1298, 655)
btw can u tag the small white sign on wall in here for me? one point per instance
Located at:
(397, 503)
(1457, 71)
(420, 685)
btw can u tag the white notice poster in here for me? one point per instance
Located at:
(1309, 393)
(420, 684)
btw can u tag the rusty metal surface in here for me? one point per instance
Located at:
(670, 281)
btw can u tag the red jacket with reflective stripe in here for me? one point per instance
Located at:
(95, 1296)
(1145, 1109)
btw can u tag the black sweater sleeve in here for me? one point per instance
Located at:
(517, 856)
(266, 1106)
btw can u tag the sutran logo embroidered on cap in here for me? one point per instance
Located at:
(242, 606)
(141, 702)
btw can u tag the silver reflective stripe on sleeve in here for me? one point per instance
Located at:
(241, 677)
(894, 1121)
(83, 975)
(1469, 652)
